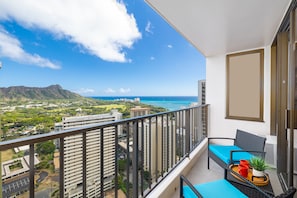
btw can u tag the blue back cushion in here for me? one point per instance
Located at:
(215, 189)
(223, 152)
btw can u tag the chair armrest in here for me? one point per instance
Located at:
(195, 191)
(238, 151)
(251, 184)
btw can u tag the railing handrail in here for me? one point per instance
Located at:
(8, 144)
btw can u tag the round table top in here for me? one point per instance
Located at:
(258, 181)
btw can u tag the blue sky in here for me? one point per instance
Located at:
(95, 48)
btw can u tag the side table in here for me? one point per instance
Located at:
(247, 188)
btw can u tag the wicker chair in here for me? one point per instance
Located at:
(224, 188)
(245, 146)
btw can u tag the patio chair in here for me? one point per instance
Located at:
(245, 146)
(223, 188)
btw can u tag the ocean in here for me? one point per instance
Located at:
(169, 102)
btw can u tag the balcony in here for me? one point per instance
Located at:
(196, 171)
(127, 158)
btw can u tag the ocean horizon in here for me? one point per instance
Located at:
(169, 102)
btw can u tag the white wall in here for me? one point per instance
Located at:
(216, 97)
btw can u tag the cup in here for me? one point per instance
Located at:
(243, 170)
(244, 162)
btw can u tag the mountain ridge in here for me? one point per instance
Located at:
(36, 93)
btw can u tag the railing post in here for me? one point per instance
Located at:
(167, 142)
(156, 150)
(1, 174)
(128, 159)
(142, 158)
(61, 172)
(205, 116)
(173, 137)
(150, 152)
(116, 170)
(84, 151)
(102, 162)
(135, 159)
(187, 135)
(162, 145)
(31, 172)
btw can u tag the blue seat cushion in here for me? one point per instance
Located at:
(215, 189)
(223, 152)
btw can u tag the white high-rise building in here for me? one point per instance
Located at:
(159, 149)
(139, 111)
(73, 173)
(159, 142)
(201, 92)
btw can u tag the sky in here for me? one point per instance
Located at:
(96, 48)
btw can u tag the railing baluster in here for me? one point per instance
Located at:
(172, 142)
(1, 191)
(135, 159)
(31, 173)
(61, 173)
(84, 163)
(162, 145)
(187, 132)
(150, 152)
(192, 132)
(116, 169)
(128, 159)
(141, 157)
(180, 135)
(206, 120)
(176, 135)
(102, 162)
(157, 143)
(167, 143)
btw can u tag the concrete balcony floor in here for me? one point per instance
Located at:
(200, 174)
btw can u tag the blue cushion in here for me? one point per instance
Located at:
(223, 152)
(215, 189)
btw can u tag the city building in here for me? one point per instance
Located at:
(201, 92)
(73, 173)
(8, 173)
(139, 111)
(158, 137)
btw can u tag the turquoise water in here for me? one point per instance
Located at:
(169, 102)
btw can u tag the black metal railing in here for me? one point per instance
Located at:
(129, 156)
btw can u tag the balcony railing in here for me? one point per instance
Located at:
(129, 156)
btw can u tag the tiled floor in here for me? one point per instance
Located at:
(200, 174)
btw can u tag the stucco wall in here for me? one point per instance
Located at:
(216, 97)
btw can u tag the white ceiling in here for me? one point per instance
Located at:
(224, 26)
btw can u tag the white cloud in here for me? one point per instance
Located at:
(148, 27)
(109, 90)
(102, 28)
(169, 46)
(11, 48)
(123, 90)
(85, 91)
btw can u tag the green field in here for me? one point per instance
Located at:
(7, 155)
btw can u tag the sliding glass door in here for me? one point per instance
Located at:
(283, 82)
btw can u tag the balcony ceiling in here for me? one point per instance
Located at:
(224, 26)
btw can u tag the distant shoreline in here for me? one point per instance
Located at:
(168, 102)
